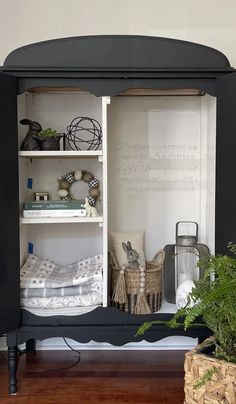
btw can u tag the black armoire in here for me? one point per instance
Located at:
(106, 66)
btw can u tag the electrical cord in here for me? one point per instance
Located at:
(21, 352)
(3, 357)
(1, 354)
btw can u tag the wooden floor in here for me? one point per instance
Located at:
(139, 377)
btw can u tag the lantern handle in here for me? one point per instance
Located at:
(186, 221)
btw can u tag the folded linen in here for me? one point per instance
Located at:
(90, 299)
(68, 311)
(39, 273)
(92, 286)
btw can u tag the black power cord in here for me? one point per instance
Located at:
(22, 352)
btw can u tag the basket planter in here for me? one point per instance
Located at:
(153, 285)
(221, 388)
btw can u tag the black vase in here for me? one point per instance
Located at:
(52, 143)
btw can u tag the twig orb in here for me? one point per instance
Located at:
(83, 133)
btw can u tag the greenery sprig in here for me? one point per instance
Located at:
(212, 303)
(49, 132)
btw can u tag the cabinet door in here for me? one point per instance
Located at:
(225, 227)
(9, 216)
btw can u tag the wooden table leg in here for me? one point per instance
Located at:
(12, 366)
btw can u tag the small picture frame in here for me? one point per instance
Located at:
(41, 196)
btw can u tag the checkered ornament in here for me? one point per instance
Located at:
(66, 198)
(93, 183)
(91, 200)
(69, 177)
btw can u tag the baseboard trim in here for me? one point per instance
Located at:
(170, 343)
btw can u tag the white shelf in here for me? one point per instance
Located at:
(64, 239)
(61, 153)
(44, 220)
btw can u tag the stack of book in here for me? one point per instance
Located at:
(54, 209)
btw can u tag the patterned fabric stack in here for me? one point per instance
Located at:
(49, 286)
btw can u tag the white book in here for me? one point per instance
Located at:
(55, 213)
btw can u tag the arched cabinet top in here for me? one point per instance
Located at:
(116, 53)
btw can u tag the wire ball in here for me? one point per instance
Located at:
(84, 133)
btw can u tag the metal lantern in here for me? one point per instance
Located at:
(181, 260)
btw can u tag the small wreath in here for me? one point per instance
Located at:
(69, 178)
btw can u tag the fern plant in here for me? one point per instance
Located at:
(212, 302)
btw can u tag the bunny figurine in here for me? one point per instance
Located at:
(132, 256)
(90, 210)
(32, 139)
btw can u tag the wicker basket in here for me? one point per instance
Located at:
(221, 388)
(153, 285)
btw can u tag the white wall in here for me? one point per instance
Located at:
(210, 22)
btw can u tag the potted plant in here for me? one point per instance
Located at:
(49, 139)
(210, 368)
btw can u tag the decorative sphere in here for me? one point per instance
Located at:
(84, 133)
(69, 177)
(91, 201)
(78, 175)
(93, 183)
(141, 290)
(62, 193)
(87, 176)
(63, 184)
(142, 269)
(142, 284)
(94, 192)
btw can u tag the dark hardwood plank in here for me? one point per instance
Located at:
(140, 377)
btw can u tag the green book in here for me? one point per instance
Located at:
(44, 205)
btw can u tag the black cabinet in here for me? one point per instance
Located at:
(106, 66)
(9, 256)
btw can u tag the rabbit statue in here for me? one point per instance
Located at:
(31, 140)
(90, 210)
(132, 256)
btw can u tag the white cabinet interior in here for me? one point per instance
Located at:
(63, 240)
(156, 166)
(161, 166)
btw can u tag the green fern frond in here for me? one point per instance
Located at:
(192, 314)
(145, 327)
(211, 302)
(205, 378)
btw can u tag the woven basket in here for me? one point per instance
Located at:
(153, 284)
(222, 386)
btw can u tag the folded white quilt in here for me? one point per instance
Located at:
(94, 286)
(90, 299)
(39, 273)
(67, 311)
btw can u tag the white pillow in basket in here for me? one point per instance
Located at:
(128, 248)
